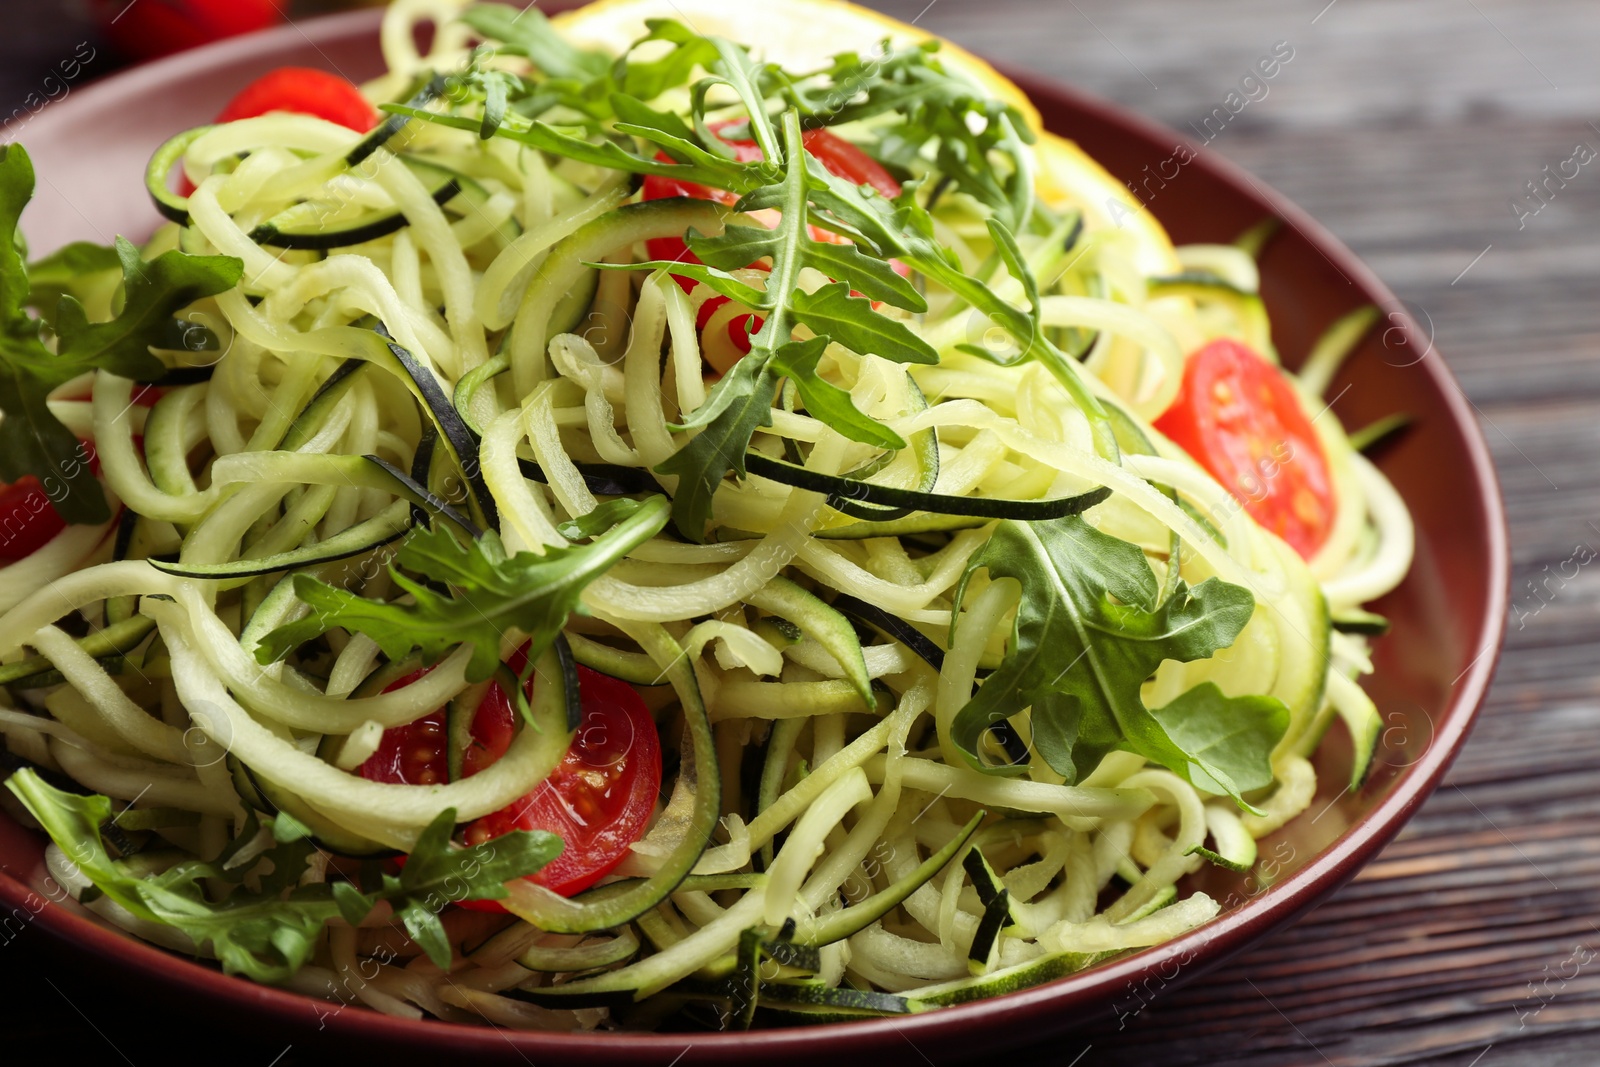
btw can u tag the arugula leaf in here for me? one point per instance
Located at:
(1090, 629)
(84, 269)
(739, 405)
(1226, 739)
(70, 260)
(797, 361)
(586, 83)
(977, 145)
(599, 520)
(491, 594)
(268, 934)
(831, 311)
(915, 103)
(527, 32)
(153, 292)
(497, 86)
(436, 874)
(32, 440)
(648, 79)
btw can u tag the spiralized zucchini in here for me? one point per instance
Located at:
(874, 867)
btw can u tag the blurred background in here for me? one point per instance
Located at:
(1425, 134)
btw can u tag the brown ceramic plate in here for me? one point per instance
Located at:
(1432, 670)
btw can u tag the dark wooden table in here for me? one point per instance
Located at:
(1409, 127)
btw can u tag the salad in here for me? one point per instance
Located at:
(641, 519)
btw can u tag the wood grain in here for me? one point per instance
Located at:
(1406, 126)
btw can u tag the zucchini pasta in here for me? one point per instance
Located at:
(643, 518)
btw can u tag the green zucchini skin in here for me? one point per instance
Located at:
(391, 125)
(270, 799)
(1359, 621)
(108, 644)
(1248, 308)
(301, 229)
(384, 528)
(173, 207)
(846, 490)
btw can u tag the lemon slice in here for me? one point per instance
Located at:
(1069, 177)
(797, 34)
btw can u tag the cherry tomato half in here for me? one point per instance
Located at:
(152, 28)
(28, 516)
(598, 801)
(1240, 419)
(600, 798)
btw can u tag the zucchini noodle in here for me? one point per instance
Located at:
(465, 358)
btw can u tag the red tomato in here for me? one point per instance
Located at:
(1240, 419)
(305, 91)
(598, 801)
(28, 519)
(847, 161)
(28, 516)
(151, 28)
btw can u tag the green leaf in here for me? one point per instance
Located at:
(269, 934)
(353, 904)
(73, 268)
(741, 403)
(832, 312)
(687, 152)
(154, 292)
(32, 440)
(552, 139)
(527, 32)
(599, 520)
(1089, 630)
(435, 862)
(1017, 264)
(495, 92)
(797, 361)
(266, 935)
(868, 275)
(648, 79)
(438, 874)
(744, 76)
(1228, 741)
(16, 189)
(490, 595)
(736, 246)
(638, 114)
(719, 280)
